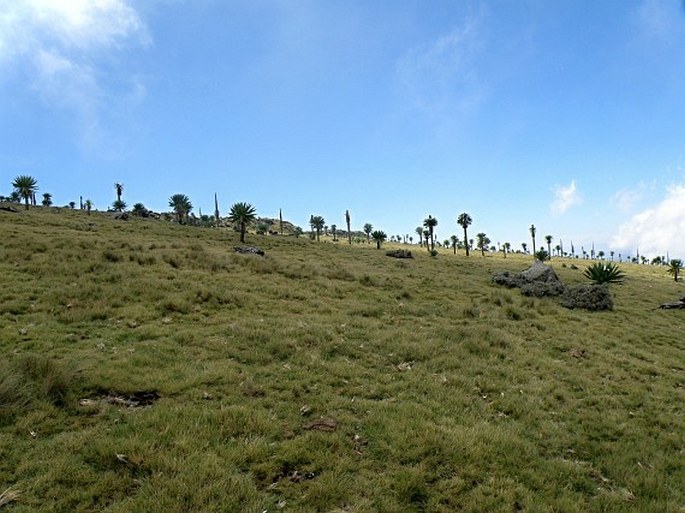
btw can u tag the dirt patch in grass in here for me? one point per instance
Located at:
(138, 399)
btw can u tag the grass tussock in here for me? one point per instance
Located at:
(322, 377)
(29, 380)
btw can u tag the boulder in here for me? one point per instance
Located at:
(539, 280)
(249, 250)
(539, 271)
(399, 253)
(674, 305)
(588, 297)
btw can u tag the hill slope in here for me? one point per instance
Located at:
(147, 367)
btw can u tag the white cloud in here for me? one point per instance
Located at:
(565, 197)
(29, 26)
(56, 45)
(656, 230)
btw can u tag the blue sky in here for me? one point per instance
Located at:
(565, 114)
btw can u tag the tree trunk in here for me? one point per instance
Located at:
(347, 220)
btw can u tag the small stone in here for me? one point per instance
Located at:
(322, 424)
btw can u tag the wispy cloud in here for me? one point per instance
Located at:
(56, 46)
(565, 197)
(625, 200)
(658, 229)
(659, 21)
(441, 77)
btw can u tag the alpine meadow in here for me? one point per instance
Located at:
(149, 367)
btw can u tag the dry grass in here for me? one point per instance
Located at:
(441, 391)
(8, 496)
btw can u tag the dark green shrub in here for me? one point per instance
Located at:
(541, 255)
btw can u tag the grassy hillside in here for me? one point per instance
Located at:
(322, 377)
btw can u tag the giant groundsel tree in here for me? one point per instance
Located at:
(464, 220)
(242, 214)
(181, 205)
(430, 223)
(317, 223)
(25, 186)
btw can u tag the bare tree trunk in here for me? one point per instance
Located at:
(347, 220)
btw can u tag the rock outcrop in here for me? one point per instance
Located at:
(539, 280)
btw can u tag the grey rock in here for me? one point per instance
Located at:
(671, 306)
(539, 280)
(249, 250)
(399, 253)
(674, 305)
(588, 297)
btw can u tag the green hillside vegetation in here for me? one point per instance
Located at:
(148, 367)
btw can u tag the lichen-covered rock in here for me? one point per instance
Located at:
(680, 304)
(507, 279)
(249, 250)
(399, 253)
(539, 280)
(588, 297)
(539, 271)
(543, 289)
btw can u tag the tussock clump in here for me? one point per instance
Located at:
(111, 256)
(341, 273)
(588, 297)
(31, 379)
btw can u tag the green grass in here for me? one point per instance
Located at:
(448, 393)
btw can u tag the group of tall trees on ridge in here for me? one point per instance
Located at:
(26, 187)
(243, 214)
